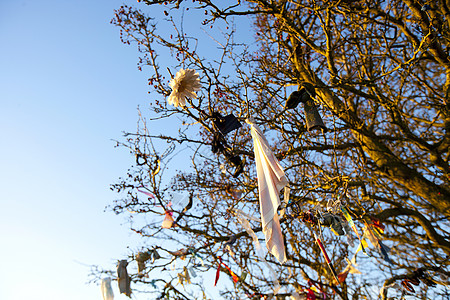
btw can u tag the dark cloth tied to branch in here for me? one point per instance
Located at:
(224, 126)
(124, 280)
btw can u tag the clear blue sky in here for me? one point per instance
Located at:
(68, 86)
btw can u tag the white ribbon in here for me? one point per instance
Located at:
(258, 249)
(106, 288)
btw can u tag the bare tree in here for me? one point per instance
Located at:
(378, 73)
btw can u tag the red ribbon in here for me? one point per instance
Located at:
(310, 295)
(377, 224)
(322, 248)
(234, 276)
(318, 286)
(218, 272)
(150, 195)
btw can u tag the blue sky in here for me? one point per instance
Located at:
(68, 87)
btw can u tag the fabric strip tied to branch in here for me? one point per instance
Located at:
(243, 219)
(106, 288)
(271, 179)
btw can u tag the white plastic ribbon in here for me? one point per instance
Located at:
(258, 249)
(249, 217)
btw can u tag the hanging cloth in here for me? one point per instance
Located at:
(226, 124)
(123, 279)
(141, 258)
(374, 231)
(184, 277)
(107, 291)
(350, 268)
(271, 179)
(243, 219)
